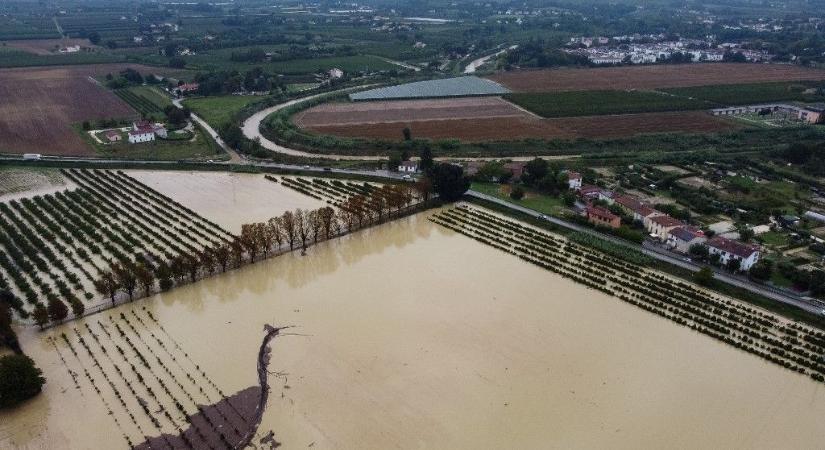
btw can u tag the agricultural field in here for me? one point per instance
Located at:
(652, 77)
(40, 106)
(16, 183)
(328, 114)
(750, 93)
(219, 110)
(47, 46)
(590, 336)
(592, 103)
(12, 57)
(516, 128)
(146, 100)
(447, 87)
(219, 60)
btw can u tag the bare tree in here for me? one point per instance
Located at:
(107, 285)
(221, 253)
(315, 223)
(126, 278)
(288, 227)
(274, 225)
(327, 216)
(236, 247)
(146, 278)
(249, 240)
(303, 226)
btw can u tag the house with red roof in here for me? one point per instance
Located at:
(728, 249)
(661, 225)
(602, 217)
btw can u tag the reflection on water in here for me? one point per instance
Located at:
(413, 336)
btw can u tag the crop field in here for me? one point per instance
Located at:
(652, 77)
(515, 128)
(56, 246)
(145, 100)
(592, 103)
(447, 87)
(40, 105)
(47, 46)
(220, 61)
(328, 114)
(743, 94)
(11, 57)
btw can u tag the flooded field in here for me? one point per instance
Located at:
(19, 183)
(229, 199)
(410, 335)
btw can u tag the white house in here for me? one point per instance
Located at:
(142, 135)
(335, 73)
(728, 249)
(408, 167)
(574, 180)
(681, 239)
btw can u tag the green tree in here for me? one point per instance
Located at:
(449, 181)
(57, 310)
(426, 163)
(40, 315)
(20, 380)
(704, 276)
(734, 264)
(534, 171)
(517, 193)
(407, 134)
(762, 270)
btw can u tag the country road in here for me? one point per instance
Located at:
(234, 157)
(476, 63)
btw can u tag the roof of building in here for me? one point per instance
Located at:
(140, 132)
(633, 204)
(686, 233)
(574, 176)
(589, 189)
(733, 247)
(666, 221)
(598, 211)
(112, 133)
(409, 164)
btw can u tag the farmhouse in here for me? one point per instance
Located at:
(515, 168)
(602, 217)
(807, 113)
(335, 73)
(574, 180)
(113, 136)
(138, 136)
(408, 167)
(728, 249)
(682, 238)
(144, 131)
(639, 210)
(661, 226)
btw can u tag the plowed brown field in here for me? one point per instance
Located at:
(653, 76)
(406, 110)
(39, 105)
(514, 128)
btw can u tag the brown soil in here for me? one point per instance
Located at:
(40, 105)
(406, 110)
(491, 129)
(650, 77)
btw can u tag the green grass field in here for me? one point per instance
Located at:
(219, 110)
(219, 60)
(202, 148)
(594, 103)
(10, 57)
(146, 100)
(539, 202)
(742, 94)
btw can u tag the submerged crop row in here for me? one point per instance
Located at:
(788, 344)
(55, 248)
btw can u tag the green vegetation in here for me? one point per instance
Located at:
(619, 251)
(200, 147)
(218, 111)
(20, 380)
(146, 100)
(742, 94)
(593, 103)
(18, 58)
(534, 200)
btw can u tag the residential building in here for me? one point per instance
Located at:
(601, 217)
(113, 136)
(728, 249)
(661, 226)
(639, 210)
(516, 168)
(408, 167)
(682, 238)
(143, 135)
(335, 73)
(574, 180)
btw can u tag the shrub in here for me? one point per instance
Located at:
(20, 380)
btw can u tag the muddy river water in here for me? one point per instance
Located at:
(412, 336)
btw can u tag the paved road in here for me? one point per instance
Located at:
(475, 64)
(665, 256)
(252, 130)
(235, 157)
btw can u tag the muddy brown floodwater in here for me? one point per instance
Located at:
(229, 199)
(412, 336)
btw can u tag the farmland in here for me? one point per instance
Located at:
(219, 110)
(743, 94)
(146, 100)
(329, 114)
(516, 128)
(592, 103)
(652, 77)
(40, 105)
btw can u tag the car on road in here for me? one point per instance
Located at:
(406, 177)
(542, 217)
